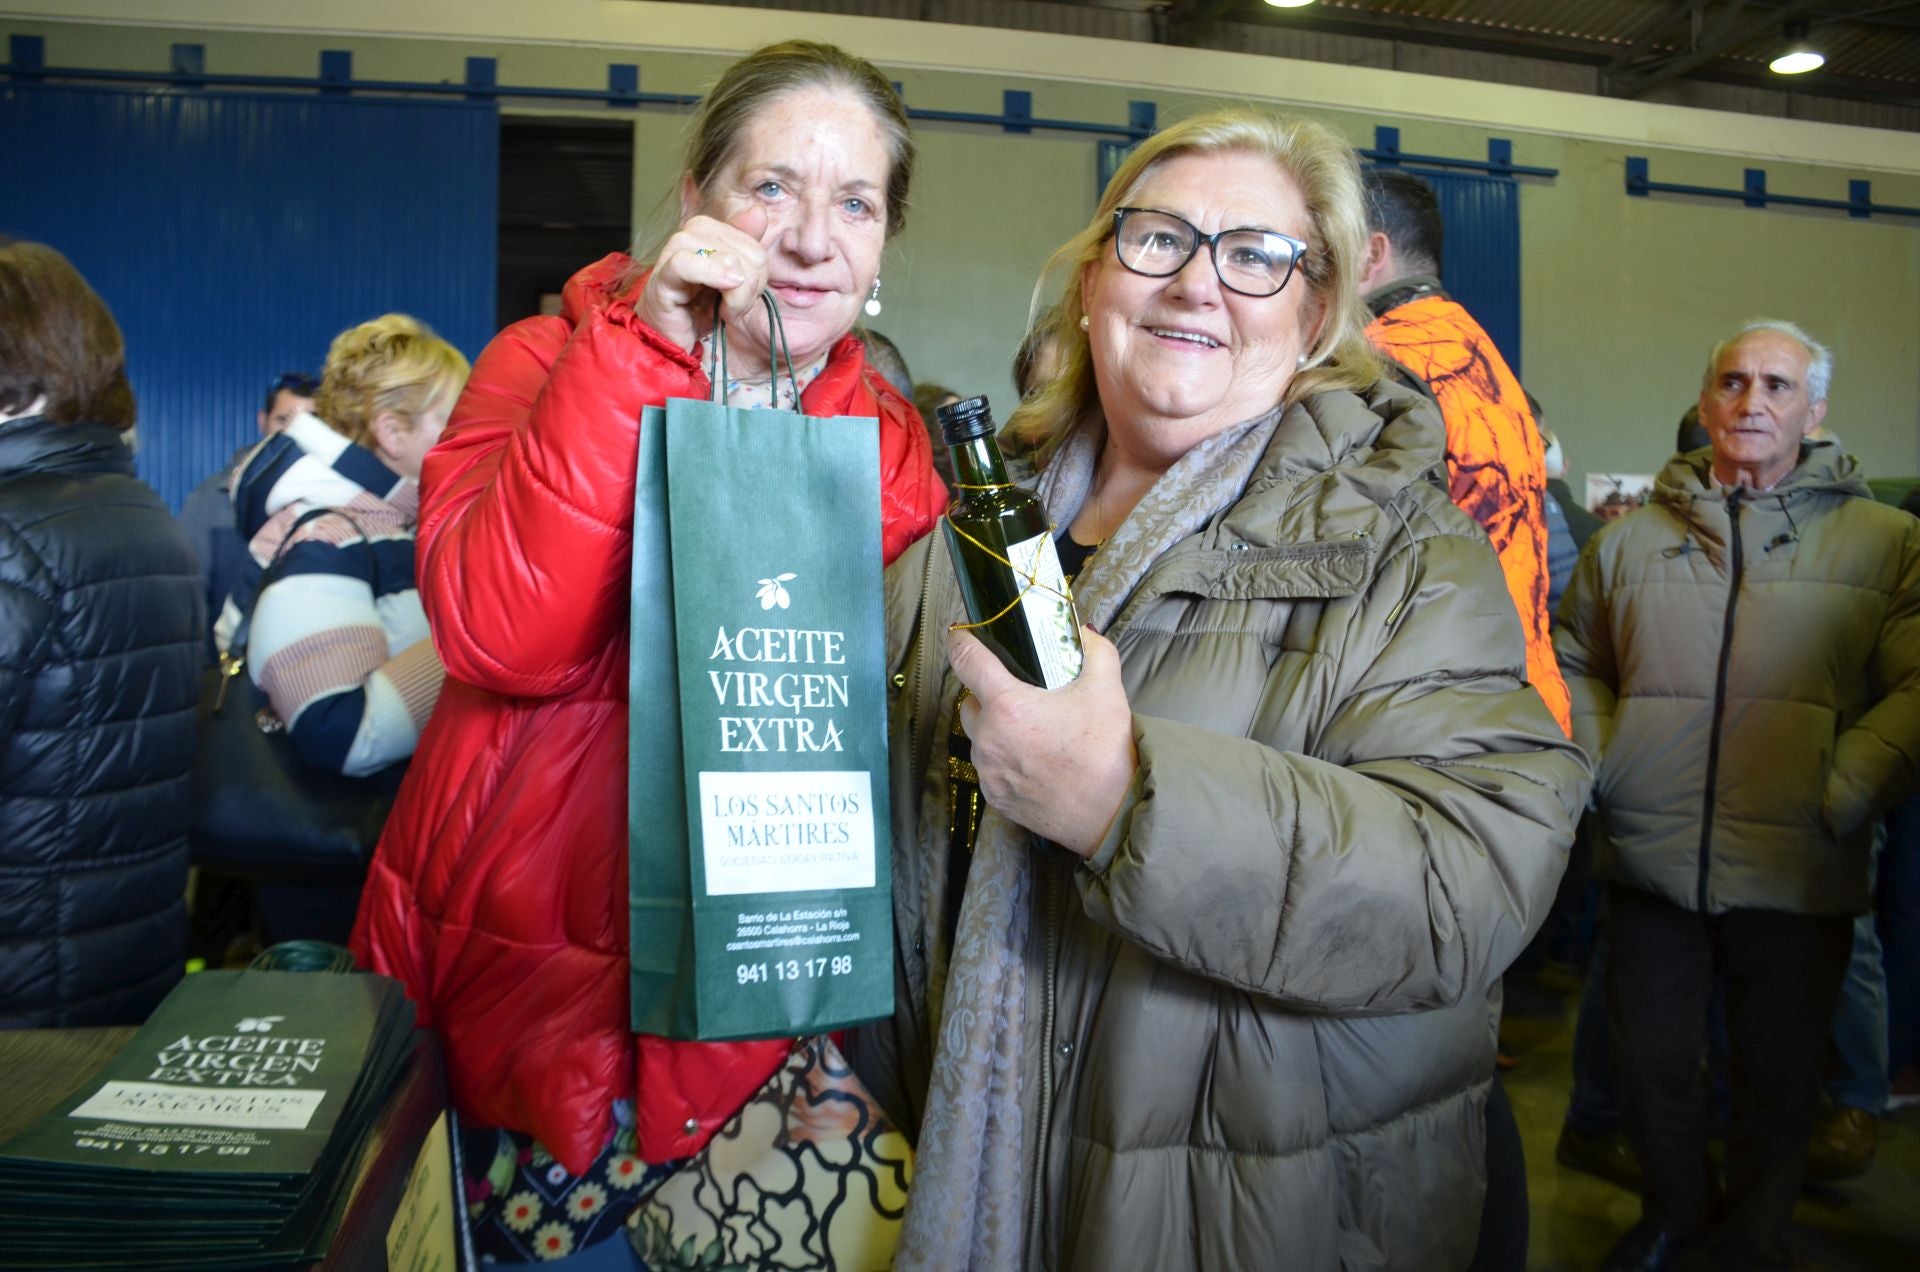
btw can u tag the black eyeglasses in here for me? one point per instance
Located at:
(1249, 261)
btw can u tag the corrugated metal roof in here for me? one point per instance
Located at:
(1622, 47)
(1600, 20)
(1861, 41)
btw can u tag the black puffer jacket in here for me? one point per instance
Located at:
(100, 632)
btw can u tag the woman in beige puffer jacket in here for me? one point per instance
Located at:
(1217, 991)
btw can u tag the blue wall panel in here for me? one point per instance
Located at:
(1480, 253)
(235, 234)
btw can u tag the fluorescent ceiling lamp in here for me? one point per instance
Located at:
(1289, 4)
(1798, 60)
(1799, 56)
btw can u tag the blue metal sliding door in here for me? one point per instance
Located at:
(1480, 254)
(235, 234)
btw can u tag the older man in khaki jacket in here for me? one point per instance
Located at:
(1744, 660)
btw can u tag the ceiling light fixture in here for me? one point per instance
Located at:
(1800, 56)
(1289, 4)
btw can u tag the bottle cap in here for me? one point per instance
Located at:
(964, 421)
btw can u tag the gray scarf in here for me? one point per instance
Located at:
(967, 1205)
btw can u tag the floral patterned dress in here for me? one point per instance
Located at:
(525, 1207)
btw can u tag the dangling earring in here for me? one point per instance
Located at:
(873, 299)
(1086, 323)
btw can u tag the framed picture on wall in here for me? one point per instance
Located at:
(1611, 496)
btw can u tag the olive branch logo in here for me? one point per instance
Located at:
(773, 592)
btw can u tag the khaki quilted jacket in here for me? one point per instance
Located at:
(1259, 1023)
(1747, 670)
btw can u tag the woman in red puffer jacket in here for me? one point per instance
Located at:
(498, 894)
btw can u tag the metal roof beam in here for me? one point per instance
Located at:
(1181, 21)
(1833, 86)
(1725, 34)
(1420, 29)
(1663, 22)
(1618, 65)
(1694, 34)
(1898, 17)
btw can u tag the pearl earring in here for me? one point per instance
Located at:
(1300, 363)
(1086, 323)
(873, 299)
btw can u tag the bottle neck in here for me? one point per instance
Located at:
(977, 462)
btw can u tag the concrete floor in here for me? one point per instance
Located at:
(1869, 1223)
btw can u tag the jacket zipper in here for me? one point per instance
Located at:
(1036, 1238)
(1720, 701)
(923, 692)
(916, 690)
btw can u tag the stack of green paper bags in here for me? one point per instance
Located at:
(224, 1136)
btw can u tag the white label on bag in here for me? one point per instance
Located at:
(164, 1103)
(786, 832)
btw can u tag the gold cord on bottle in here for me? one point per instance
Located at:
(1032, 581)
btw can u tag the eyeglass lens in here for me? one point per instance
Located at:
(1158, 244)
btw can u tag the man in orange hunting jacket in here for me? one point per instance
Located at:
(1496, 469)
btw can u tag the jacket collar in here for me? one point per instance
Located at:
(1385, 439)
(1314, 477)
(36, 444)
(1687, 490)
(1404, 291)
(1823, 469)
(35, 407)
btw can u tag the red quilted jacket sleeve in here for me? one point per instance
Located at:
(526, 519)
(912, 497)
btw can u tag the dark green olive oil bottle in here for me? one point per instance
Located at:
(1003, 554)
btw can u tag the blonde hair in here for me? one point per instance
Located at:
(392, 363)
(1327, 172)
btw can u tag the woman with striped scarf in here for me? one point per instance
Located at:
(338, 641)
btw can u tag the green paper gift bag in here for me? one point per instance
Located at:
(759, 886)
